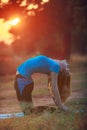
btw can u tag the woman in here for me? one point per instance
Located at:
(24, 83)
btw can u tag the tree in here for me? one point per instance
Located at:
(51, 31)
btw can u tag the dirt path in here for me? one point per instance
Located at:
(9, 103)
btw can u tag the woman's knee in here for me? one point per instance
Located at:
(26, 107)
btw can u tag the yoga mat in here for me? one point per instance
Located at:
(11, 115)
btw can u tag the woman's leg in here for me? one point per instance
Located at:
(25, 99)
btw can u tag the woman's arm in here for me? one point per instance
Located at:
(55, 91)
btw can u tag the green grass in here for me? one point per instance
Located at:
(46, 121)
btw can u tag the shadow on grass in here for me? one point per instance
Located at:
(41, 109)
(74, 105)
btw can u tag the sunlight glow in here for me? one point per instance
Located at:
(14, 21)
(23, 3)
(4, 1)
(5, 26)
(5, 35)
(44, 1)
(32, 6)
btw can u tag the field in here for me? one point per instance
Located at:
(75, 119)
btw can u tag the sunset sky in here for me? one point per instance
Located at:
(5, 25)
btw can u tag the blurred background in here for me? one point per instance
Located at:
(55, 28)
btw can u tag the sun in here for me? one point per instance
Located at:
(14, 21)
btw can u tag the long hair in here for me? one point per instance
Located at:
(64, 86)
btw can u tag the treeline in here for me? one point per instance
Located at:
(57, 31)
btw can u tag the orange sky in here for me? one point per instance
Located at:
(5, 26)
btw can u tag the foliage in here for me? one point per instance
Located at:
(56, 31)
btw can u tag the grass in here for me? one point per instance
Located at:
(46, 121)
(57, 120)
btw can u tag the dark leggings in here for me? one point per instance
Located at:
(27, 92)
